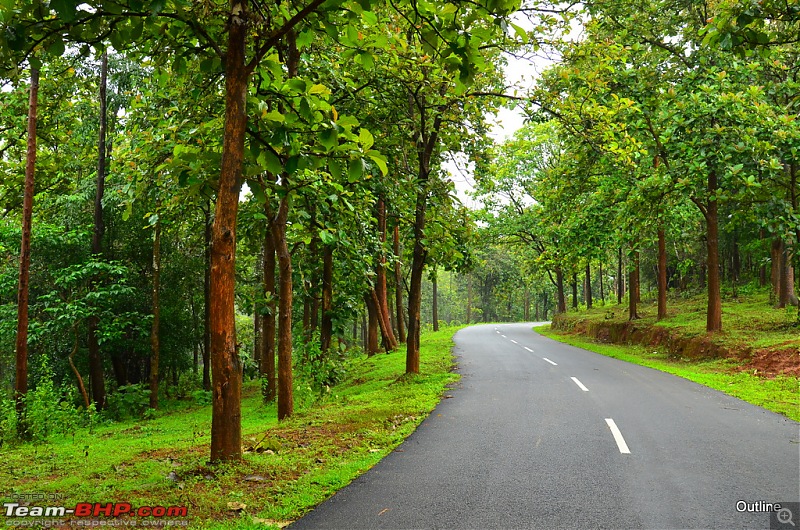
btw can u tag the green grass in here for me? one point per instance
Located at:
(780, 394)
(288, 467)
(747, 320)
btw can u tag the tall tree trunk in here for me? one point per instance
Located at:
(21, 381)
(372, 325)
(600, 275)
(588, 286)
(776, 253)
(326, 330)
(95, 360)
(380, 281)
(207, 298)
(425, 146)
(762, 270)
(226, 368)
(714, 312)
(620, 278)
(398, 287)
(574, 291)
(383, 322)
(435, 285)
(562, 299)
(268, 388)
(155, 343)
(785, 277)
(633, 288)
(415, 292)
(736, 264)
(662, 274)
(285, 392)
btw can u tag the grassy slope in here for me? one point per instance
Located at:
(288, 467)
(747, 322)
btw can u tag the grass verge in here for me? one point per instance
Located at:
(780, 394)
(287, 469)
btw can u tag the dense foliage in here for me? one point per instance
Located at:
(254, 190)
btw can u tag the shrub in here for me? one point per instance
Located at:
(128, 402)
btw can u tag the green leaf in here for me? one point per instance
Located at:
(275, 116)
(258, 193)
(65, 9)
(319, 89)
(269, 161)
(137, 27)
(56, 48)
(335, 169)
(292, 164)
(379, 160)
(298, 85)
(369, 18)
(355, 170)
(520, 32)
(365, 138)
(328, 138)
(327, 237)
(305, 38)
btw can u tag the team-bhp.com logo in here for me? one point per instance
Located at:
(87, 509)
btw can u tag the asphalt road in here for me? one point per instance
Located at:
(528, 441)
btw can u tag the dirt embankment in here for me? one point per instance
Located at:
(768, 362)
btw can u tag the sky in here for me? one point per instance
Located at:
(519, 73)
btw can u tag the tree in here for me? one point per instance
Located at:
(21, 385)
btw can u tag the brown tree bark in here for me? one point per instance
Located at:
(662, 274)
(285, 376)
(620, 278)
(785, 277)
(600, 277)
(633, 288)
(267, 364)
(326, 329)
(435, 286)
(776, 253)
(21, 379)
(762, 270)
(96, 374)
(562, 299)
(415, 292)
(371, 342)
(587, 293)
(574, 285)
(155, 342)
(425, 145)
(398, 287)
(226, 368)
(381, 290)
(714, 311)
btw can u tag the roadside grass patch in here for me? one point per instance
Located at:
(288, 467)
(780, 394)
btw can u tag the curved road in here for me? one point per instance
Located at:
(539, 434)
